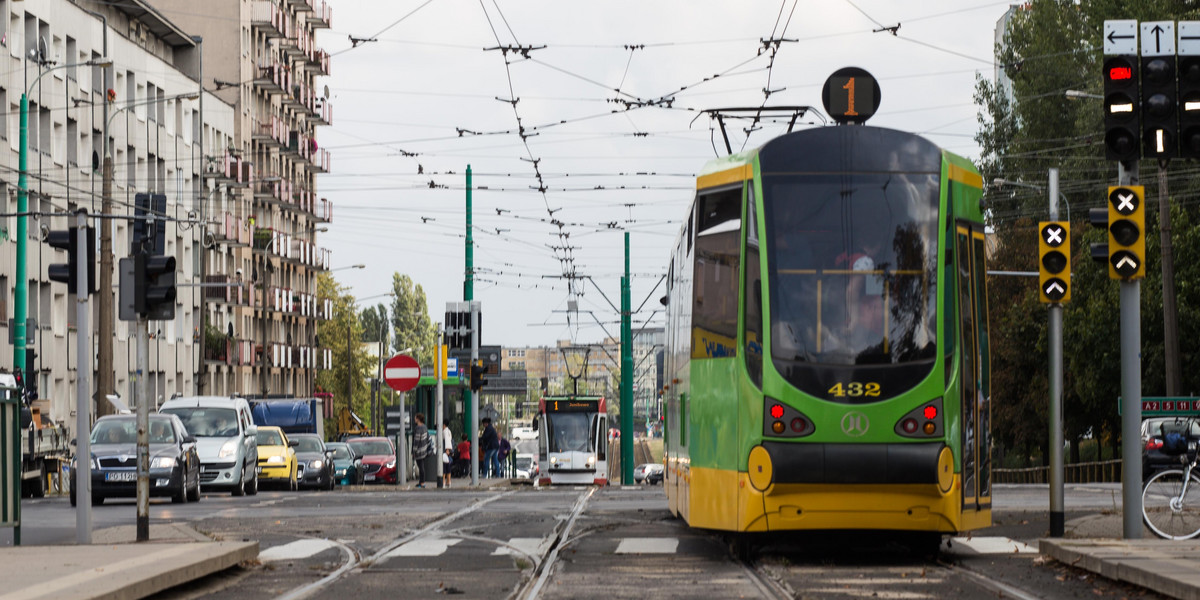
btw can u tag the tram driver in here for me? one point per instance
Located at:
(572, 436)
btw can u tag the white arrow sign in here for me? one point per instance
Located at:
(1054, 287)
(1120, 37)
(1158, 38)
(1126, 262)
(1189, 38)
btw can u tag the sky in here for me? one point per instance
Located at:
(582, 121)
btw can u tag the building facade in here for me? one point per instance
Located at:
(156, 138)
(263, 327)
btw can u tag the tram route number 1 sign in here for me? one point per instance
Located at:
(1166, 406)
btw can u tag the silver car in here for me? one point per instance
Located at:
(225, 440)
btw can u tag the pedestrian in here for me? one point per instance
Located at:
(489, 442)
(446, 467)
(464, 456)
(502, 455)
(421, 446)
(447, 439)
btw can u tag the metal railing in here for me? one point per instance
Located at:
(1105, 471)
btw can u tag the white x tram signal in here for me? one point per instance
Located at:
(1126, 201)
(1054, 235)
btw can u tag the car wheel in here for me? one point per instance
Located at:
(293, 484)
(193, 495)
(331, 482)
(73, 500)
(240, 488)
(252, 489)
(181, 496)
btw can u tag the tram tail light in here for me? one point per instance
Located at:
(777, 427)
(781, 420)
(924, 421)
(777, 411)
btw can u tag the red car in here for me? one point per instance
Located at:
(378, 458)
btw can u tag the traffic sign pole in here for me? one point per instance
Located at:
(1057, 516)
(402, 373)
(1131, 391)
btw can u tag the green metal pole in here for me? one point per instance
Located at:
(468, 296)
(20, 307)
(626, 376)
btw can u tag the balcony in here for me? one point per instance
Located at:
(322, 112)
(234, 292)
(233, 231)
(229, 351)
(323, 210)
(268, 18)
(320, 161)
(274, 243)
(271, 133)
(320, 60)
(273, 78)
(303, 6)
(324, 309)
(321, 16)
(267, 190)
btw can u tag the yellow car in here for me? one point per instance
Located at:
(276, 457)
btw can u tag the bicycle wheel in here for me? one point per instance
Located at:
(1167, 512)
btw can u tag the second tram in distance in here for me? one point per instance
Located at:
(572, 440)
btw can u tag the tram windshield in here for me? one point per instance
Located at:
(852, 255)
(571, 432)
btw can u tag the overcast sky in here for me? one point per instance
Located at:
(424, 99)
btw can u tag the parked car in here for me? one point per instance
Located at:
(1153, 430)
(315, 467)
(378, 458)
(347, 465)
(174, 463)
(276, 458)
(640, 471)
(524, 433)
(225, 440)
(655, 476)
(527, 466)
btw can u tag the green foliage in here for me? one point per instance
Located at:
(352, 365)
(1053, 46)
(375, 322)
(411, 324)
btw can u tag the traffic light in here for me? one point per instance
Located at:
(1189, 106)
(1054, 261)
(1121, 112)
(477, 380)
(67, 273)
(154, 286)
(1126, 232)
(1160, 125)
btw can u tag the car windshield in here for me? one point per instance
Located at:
(268, 437)
(207, 422)
(1159, 427)
(341, 452)
(309, 444)
(372, 447)
(115, 431)
(161, 432)
(523, 462)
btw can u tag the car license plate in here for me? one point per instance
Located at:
(369, 478)
(121, 476)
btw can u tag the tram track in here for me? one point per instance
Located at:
(533, 587)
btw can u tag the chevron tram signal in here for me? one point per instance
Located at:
(1054, 261)
(1126, 232)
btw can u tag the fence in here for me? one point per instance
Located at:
(1086, 472)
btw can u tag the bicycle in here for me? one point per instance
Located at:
(1171, 498)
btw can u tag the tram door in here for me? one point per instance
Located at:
(975, 388)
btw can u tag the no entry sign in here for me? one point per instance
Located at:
(401, 372)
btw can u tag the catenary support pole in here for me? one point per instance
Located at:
(626, 375)
(440, 367)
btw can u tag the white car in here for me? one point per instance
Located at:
(524, 433)
(641, 471)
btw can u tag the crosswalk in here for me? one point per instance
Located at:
(431, 546)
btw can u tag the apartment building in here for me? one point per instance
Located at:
(157, 139)
(260, 57)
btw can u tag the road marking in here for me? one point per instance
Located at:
(988, 545)
(295, 550)
(535, 547)
(647, 546)
(425, 546)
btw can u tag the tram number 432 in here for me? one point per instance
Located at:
(854, 389)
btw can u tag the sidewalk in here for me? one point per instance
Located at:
(1094, 543)
(114, 567)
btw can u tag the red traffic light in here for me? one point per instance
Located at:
(1120, 73)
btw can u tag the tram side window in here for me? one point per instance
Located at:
(716, 280)
(753, 294)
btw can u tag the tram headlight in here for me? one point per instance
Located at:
(591, 461)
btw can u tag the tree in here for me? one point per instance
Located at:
(411, 324)
(352, 365)
(374, 321)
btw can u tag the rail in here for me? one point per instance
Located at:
(1085, 472)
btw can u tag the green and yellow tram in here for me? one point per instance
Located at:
(827, 342)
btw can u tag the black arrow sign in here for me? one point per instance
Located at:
(1157, 31)
(1113, 37)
